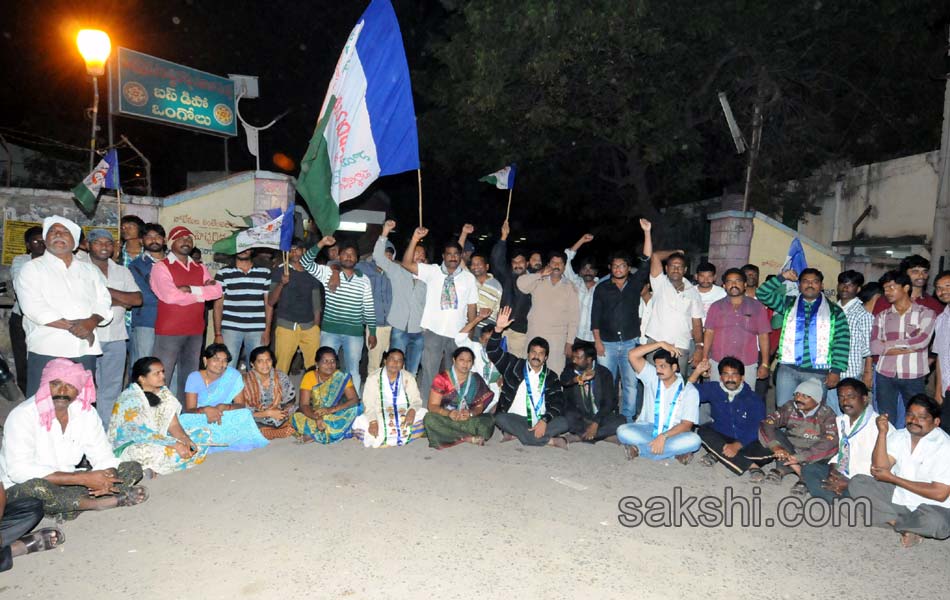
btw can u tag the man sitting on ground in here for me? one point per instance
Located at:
(737, 411)
(856, 437)
(909, 485)
(799, 433)
(532, 401)
(670, 408)
(591, 397)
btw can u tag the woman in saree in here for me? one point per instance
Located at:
(269, 394)
(214, 398)
(457, 404)
(392, 411)
(328, 402)
(145, 427)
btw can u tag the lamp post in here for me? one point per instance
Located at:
(94, 46)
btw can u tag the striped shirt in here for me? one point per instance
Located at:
(244, 297)
(860, 322)
(489, 296)
(348, 308)
(912, 331)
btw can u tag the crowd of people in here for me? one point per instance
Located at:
(121, 386)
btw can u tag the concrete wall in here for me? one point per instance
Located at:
(730, 237)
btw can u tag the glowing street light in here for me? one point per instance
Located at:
(94, 46)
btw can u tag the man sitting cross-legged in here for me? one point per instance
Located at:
(670, 408)
(856, 437)
(737, 411)
(591, 397)
(532, 401)
(800, 432)
(909, 485)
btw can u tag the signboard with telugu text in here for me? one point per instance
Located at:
(153, 89)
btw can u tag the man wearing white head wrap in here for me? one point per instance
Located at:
(63, 301)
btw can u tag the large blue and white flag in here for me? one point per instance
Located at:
(795, 260)
(268, 229)
(367, 124)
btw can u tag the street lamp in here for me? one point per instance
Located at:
(94, 46)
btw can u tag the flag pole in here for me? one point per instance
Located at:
(508, 212)
(419, 172)
(286, 263)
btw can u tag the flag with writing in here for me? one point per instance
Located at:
(105, 175)
(503, 179)
(367, 125)
(269, 229)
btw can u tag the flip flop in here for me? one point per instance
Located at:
(40, 540)
(631, 452)
(708, 460)
(756, 475)
(685, 459)
(131, 496)
(800, 489)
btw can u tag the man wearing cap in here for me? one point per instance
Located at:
(110, 368)
(63, 301)
(799, 433)
(182, 287)
(297, 299)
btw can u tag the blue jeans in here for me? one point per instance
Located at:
(141, 344)
(234, 340)
(890, 390)
(110, 371)
(411, 344)
(641, 434)
(788, 378)
(352, 346)
(616, 360)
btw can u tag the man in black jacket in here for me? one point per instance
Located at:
(590, 396)
(531, 407)
(507, 274)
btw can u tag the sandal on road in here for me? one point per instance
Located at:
(631, 452)
(135, 495)
(756, 475)
(775, 477)
(43, 539)
(708, 460)
(800, 489)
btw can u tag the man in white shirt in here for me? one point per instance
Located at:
(585, 281)
(125, 293)
(709, 292)
(64, 300)
(909, 485)
(451, 300)
(35, 247)
(676, 314)
(670, 408)
(48, 434)
(856, 437)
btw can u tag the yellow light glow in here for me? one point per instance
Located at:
(94, 46)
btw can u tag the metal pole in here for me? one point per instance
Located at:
(227, 170)
(109, 101)
(148, 165)
(940, 242)
(95, 117)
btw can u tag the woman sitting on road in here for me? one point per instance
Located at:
(270, 394)
(328, 402)
(392, 412)
(457, 402)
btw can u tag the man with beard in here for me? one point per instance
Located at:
(409, 300)
(110, 367)
(856, 437)
(242, 316)
(709, 292)
(348, 309)
(909, 485)
(489, 289)
(733, 433)
(182, 286)
(451, 299)
(676, 315)
(520, 303)
(941, 345)
(917, 269)
(295, 298)
(554, 308)
(590, 396)
(615, 320)
(860, 322)
(751, 273)
(799, 433)
(738, 326)
(532, 401)
(900, 337)
(815, 336)
(64, 300)
(142, 338)
(584, 281)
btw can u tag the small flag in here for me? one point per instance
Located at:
(503, 179)
(796, 257)
(105, 175)
(277, 233)
(367, 125)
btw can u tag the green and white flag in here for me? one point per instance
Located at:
(503, 179)
(105, 175)
(272, 229)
